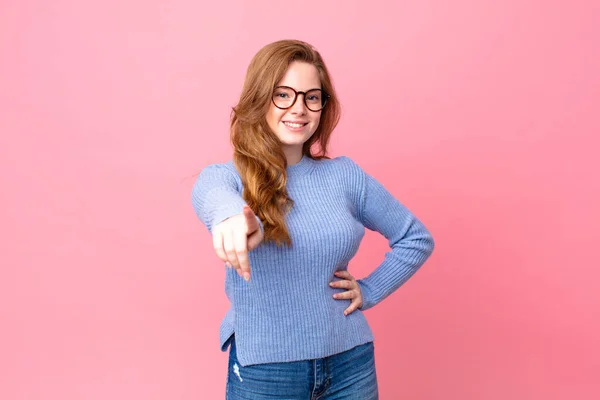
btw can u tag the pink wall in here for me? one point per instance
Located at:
(482, 118)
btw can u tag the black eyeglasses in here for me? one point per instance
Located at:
(285, 97)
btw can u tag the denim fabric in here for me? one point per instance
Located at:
(349, 375)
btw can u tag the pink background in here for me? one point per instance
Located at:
(480, 116)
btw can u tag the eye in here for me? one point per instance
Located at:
(313, 96)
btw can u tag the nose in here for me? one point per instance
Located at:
(299, 107)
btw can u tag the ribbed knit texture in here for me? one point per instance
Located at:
(286, 312)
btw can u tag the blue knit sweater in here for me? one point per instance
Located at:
(286, 311)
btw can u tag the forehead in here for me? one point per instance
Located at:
(301, 76)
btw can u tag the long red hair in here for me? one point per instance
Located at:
(258, 155)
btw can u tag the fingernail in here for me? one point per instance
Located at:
(246, 276)
(330, 283)
(227, 263)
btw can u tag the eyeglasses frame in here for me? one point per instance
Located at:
(326, 96)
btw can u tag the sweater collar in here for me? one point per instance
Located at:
(302, 167)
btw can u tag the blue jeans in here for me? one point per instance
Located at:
(349, 375)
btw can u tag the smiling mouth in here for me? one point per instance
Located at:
(294, 125)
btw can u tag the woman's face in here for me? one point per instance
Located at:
(302, 77)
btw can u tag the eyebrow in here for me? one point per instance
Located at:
(299, 90)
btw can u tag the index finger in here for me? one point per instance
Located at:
(344, 274)
(240, 242)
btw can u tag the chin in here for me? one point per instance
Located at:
(292, 143)
(288, 139)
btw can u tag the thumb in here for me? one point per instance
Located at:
(251, 221)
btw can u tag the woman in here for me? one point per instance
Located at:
(287, 221)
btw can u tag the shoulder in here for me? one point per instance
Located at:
(222, 172)
(343, 164)
(345, 168)
(224, 167)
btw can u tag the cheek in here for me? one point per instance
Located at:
(273, 117)
(315, 122)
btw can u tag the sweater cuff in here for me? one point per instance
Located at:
(230, 211)
(367, 298)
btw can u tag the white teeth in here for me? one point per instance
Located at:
(292, 125)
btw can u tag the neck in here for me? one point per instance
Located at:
(293, 156)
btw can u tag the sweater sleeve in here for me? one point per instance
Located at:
(409, 240)
(216, 195)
